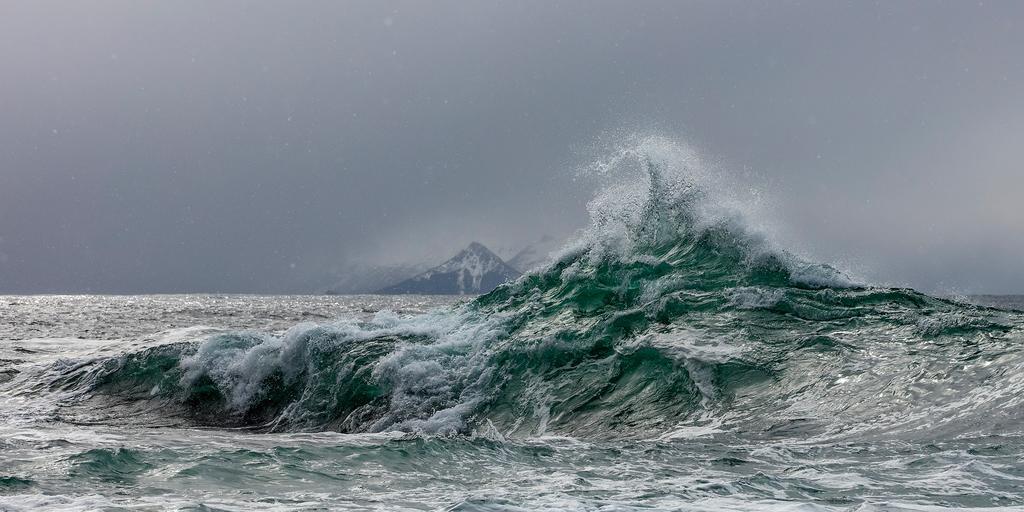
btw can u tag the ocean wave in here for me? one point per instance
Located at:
(670, 312)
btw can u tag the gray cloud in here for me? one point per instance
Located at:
(251, 146)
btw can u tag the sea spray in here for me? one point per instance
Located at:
(672, 357)
(669, 312)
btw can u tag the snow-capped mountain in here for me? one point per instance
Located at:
(536, 254)
(473, 270)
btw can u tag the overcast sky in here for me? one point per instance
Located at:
(256, 146)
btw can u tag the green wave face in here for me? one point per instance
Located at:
(667, 314)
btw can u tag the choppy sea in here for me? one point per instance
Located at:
(669, 358)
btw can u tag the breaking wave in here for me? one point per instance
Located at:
(667, 315)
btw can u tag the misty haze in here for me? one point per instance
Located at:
(508, 256)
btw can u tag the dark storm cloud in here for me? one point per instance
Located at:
(252, 146)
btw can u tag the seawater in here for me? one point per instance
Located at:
(111, 462)
(671, 357)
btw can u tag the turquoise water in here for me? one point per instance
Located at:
(672, 357)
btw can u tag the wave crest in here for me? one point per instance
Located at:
(669, 311)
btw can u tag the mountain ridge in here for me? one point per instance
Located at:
(475, 269)
(536, 254)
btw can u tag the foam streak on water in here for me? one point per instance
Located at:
(673, 357)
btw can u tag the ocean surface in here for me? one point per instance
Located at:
(671, 357)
